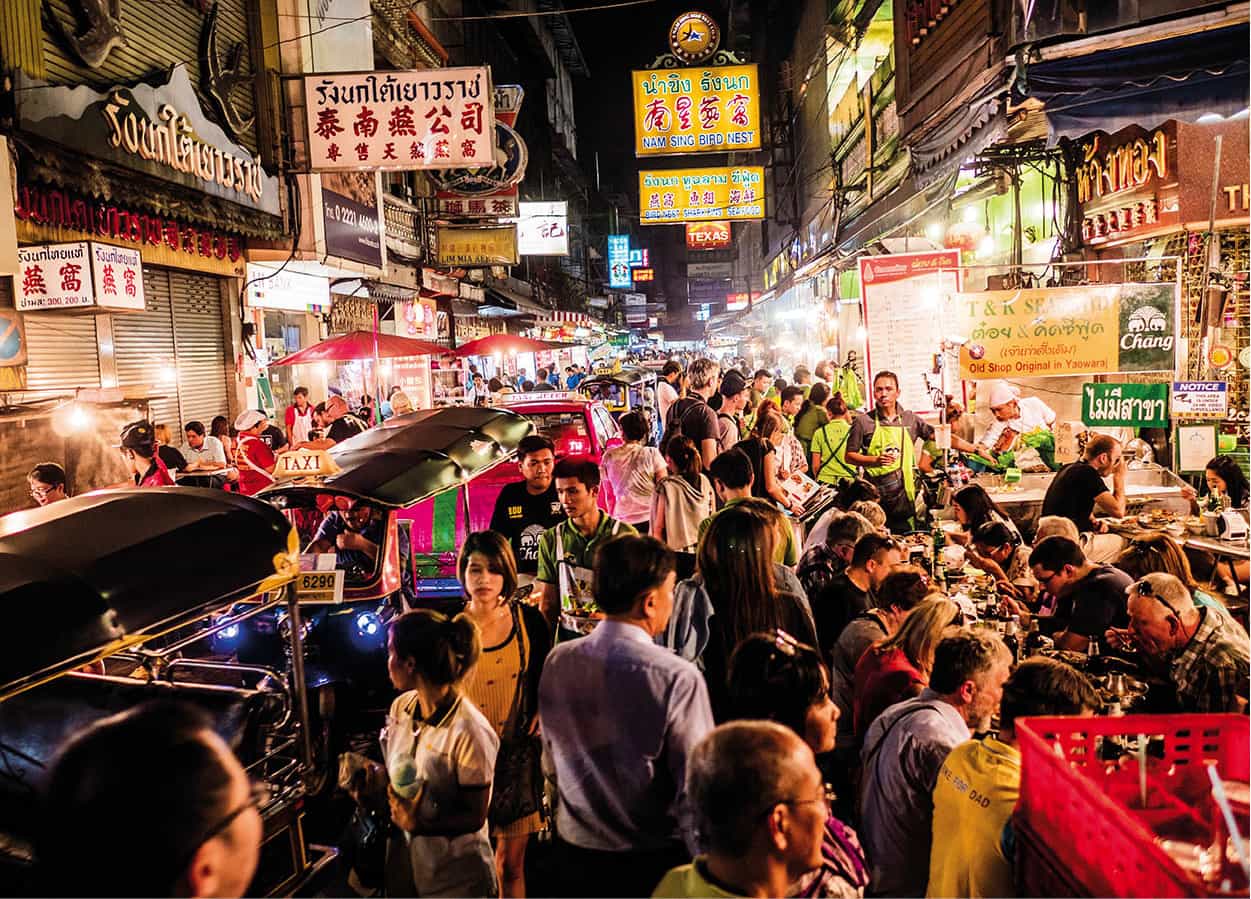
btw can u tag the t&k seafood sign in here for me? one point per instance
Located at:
(436, 119)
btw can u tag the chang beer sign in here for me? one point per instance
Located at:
(1148, 327)
(1125, 405)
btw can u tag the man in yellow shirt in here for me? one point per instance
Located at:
(978, 785)
(760, 809)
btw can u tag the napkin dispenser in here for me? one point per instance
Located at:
(1232, 526)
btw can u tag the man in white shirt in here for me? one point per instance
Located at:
(1022, 414)
(203, 452)
(667, 388)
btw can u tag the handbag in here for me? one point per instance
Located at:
(518, 786)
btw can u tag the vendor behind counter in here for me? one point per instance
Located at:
(1014, 415)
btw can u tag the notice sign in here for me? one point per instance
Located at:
(903, 295)
(77, 276)
(675, 196)
(1200, 399)
(696, 110)
(433, 119)
(477, 246)
(1125, 405)
(1096, 329)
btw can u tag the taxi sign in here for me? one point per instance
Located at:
(319, 586)
(540, 396)
(304, 463)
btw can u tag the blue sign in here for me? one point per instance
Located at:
(12, 338)
(619, 262)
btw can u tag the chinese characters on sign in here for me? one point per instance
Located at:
(477, 246)
(696, 111)
(708, 236)
(79, 275)
(686, 195)
(435, 119)
(543, 229)
(619, 262)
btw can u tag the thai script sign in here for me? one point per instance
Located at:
(1200, 399)
(674, 196)
(78, 275)
(57, 209)
(484, 246)
(708, 236)
(619, 262)
(1109, 167)
(1125, 405)
(644, 274)
(696, 110)
(1096, 329)
(157, 129)
(435, 119)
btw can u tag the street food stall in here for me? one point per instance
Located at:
(372, 347)
(99, 625)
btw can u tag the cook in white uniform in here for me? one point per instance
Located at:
(1011, 410)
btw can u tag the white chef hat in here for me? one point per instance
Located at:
(1002, 393)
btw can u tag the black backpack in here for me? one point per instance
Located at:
(673, 422)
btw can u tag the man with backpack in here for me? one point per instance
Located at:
(734, 393)
(692, 417)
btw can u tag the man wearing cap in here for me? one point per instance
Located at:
(734, 394)
(138, 446)
(1015, 413)
(253, 456)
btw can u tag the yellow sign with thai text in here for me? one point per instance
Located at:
(696, 110)
(674, 196)
(1095, 329)
(495, 245)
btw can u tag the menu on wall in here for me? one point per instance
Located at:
(904, 297)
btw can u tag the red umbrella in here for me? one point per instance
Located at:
(362, 345)
(507, 343)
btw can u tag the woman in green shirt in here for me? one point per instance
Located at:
(829, 444)
(812, 415)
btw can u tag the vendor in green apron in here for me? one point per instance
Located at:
(884, 442)
(567, 551)
(829, 444)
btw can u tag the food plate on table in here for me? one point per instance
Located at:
(1157, 519)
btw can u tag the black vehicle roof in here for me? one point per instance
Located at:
(412, 457)
(625, 376)
(93, 573)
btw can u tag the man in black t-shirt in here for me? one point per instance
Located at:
(1078, 490)
(525, 509)
(1092, 597)
(693, 416)
(342, 424)
(848, 594)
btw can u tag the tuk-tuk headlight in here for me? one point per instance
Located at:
(368, 624)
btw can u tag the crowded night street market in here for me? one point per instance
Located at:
(625, 448)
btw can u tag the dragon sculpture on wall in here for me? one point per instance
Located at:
(102, 30)
(219, 78)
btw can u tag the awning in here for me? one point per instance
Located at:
(898, 209)
(502, 303)
(967, 131)
(1180, 78)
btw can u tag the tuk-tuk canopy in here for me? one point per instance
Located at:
(89, 576)
(629, 377)
(412, 457)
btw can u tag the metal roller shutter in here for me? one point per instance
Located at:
(144, 343)
(202, 356)
(60, 348)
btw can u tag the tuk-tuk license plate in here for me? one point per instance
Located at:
(320, 586)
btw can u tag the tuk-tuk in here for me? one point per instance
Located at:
(105, 593)
(625, 390)
(377, 486)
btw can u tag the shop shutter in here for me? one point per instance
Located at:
(60, 348)
(144, 343)
(202, 356)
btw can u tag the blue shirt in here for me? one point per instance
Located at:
(904, 749)
(620, 718)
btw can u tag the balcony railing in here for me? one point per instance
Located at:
(1049, 19)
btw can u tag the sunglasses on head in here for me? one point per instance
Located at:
(1144, 588)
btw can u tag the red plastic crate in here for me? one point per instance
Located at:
(1082, 812)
